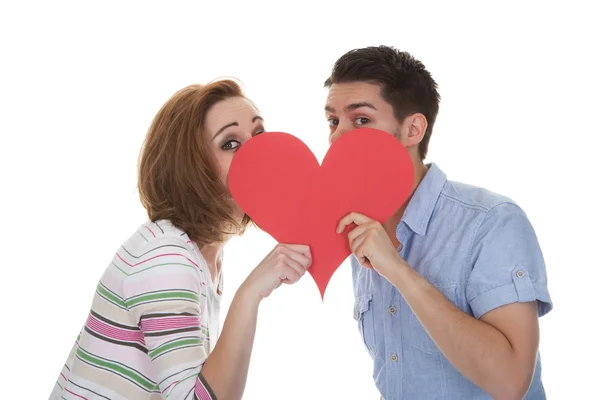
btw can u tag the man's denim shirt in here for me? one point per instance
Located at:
(476, 247)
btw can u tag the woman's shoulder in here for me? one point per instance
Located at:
(155, 244)
(160, 234)
(151, 231)
(158, 258)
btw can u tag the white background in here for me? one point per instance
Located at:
(81, 82)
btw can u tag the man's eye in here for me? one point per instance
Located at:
(230, 145)
(361, 121)
(333, 121)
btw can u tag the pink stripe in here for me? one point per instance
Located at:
(160, 324)
(113, 332)
(75, 394)
(152, 258)
(167, 388)
(150, 230)
(64, 377)
(201, 391)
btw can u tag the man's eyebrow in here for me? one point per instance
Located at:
(352, 107)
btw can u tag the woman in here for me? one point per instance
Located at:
(153, 326)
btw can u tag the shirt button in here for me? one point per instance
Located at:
(400, 247)
(394, 358)
(520, 274)
(392, 310)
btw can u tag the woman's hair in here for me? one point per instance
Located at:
(177, 176)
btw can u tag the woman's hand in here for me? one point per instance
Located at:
(286, 263)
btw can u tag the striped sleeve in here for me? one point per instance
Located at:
(167, 296)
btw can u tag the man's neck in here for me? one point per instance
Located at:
(420, 170)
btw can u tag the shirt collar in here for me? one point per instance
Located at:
(420, 207)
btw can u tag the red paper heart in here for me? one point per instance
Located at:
(278, 182)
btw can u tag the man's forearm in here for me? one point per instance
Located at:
(478, 350)
(226, 368)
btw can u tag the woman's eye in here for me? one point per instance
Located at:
(230, 145)
(361, 121)
(333, 121)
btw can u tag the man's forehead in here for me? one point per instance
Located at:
(349, 96)
(354, 87)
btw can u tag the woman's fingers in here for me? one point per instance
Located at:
(301, 253)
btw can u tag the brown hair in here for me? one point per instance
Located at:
(177, 178)
(405, 83)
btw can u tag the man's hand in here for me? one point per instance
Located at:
(497, 352)
(370, 243)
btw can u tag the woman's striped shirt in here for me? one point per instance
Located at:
(153, 321)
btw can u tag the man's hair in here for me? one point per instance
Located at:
(405, 83)
(177, 177)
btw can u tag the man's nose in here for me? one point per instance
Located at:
(339, 132)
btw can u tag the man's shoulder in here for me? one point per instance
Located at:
(476, 198)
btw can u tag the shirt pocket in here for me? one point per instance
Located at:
(363, 315)
(419, 338)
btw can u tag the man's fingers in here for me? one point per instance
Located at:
(352, 218)
(356, 232)
(362, 229)
(357, 244)
(362, 256)
(361, 249)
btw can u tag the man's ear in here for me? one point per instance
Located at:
(414, 127)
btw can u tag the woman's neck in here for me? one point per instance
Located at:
(213, 255)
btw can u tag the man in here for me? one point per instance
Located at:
(449, 290)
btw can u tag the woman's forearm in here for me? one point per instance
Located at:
(226, 368)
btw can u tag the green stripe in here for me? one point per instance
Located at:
(171, 295)
(150, 386)
(173, 345)
(154, 266)
(111, 296)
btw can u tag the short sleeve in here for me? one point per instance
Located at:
(167, 297)
(507, 263)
